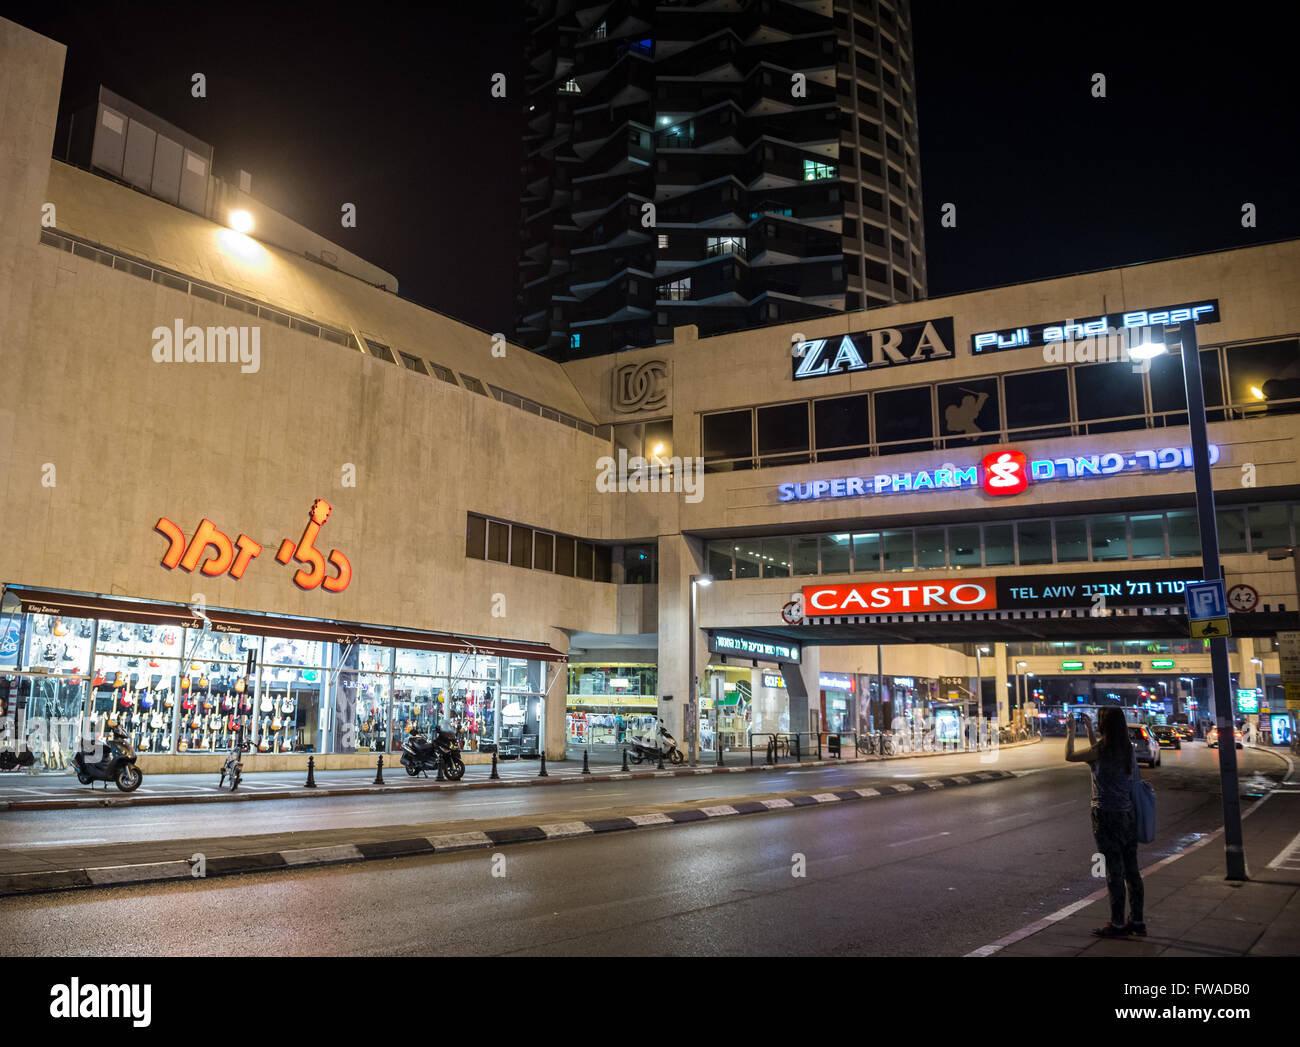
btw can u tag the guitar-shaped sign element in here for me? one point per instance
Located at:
(306, 553)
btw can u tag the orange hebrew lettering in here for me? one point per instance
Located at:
(175, 536)
(248, 549)
(207, 535)
(344, 567)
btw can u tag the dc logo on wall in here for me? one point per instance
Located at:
(641, 387)
(1006, 472)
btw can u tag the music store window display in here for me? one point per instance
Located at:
(292, 681)
(419, 692)
(41, 709)
(366, 679)
(217, 697)
(138, 683)
(474, 684)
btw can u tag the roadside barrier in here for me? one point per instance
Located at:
(542, 773)
(310, 783)
(586, 767)
(494, 776)
(379, 771)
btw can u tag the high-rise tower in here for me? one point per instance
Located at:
(724, 163)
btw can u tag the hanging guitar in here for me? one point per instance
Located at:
(267, 704)
(286, 743)
(263, 745)
(183, 745)
(227, 702)
(276, 723)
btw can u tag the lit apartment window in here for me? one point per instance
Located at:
(813, 171)
(725, 245)
(676, 290)
(663, 241)
(599, 34)
(575, 341)
(571, 87)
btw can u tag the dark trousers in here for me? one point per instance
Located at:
(1116, 836)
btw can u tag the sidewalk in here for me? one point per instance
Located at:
(1191, 910)
(27, 792)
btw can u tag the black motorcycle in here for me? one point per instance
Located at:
(116, 763)
(421, 755)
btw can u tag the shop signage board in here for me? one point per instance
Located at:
(749, 647)
(1203, 312)
(773, 680)
(1289, 654)
(835, 682)
(1001, 472)
(1081, 590)
(1071, 667)
(867, 350)
(1162, 663)
(1247, 700)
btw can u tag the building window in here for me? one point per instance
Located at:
(1035, 399)
(835, 554)
(843, 427)
(1071, 541)
(720, 245)
(728, 435)
(999, 545)
(1110, 537)
(1148, 533)
(774, 554)
(521, 546)
(968, 412)
(1034, 541)
(571, 87)
(1110, 390)
(663, 241)
(783, 434)
(1269, 528)
(599, 33)
(804, 554)
(564, 555)
(866, 553)
(676, 290)
(904, 415)
(575, 340)
(1231, 525)
(931, 550)
(1260, 375)
(815, 171)
(720, 560)
(543, 551)
(1169, 394)
(475, 536)
(964, 545)
(899, 551)
(498, 545)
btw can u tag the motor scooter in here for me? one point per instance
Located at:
(653, 745)
(115, 763)
(421, 754)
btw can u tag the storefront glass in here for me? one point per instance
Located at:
(608, 702)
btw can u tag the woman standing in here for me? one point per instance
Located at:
(1114, 818)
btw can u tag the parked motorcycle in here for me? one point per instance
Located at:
(653, 745)
(421, 754)
(116, 763)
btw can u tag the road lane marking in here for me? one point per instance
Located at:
(1288, 857)
(919, 839)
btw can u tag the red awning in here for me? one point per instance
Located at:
(81, 605)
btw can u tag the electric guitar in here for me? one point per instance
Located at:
(166, 743)
(276, 723)
(203, 742)
(156, 720)
(187, 703)
(241, 685)
(286, 743)
(168, 700)
(144, 742)
(146, 700)
(112, 716)
(207, 698)
(267, 704)
(214, 721)
(287, 705)
(183, 745)
(263, 745)
(227, 702)
(196, 721)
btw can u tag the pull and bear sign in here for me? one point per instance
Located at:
(213, 552)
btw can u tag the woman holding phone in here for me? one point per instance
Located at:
(1114, 818)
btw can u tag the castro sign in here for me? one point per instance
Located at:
(965, 594)
(883, 347)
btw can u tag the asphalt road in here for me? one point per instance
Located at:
(915, 874)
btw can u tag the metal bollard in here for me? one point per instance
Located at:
(494, 776)
(717, 744)
(311, 773)
(661, 759)
(586, 768)
(439, 777)
(625, 758)
(542, 773)
(379, 771)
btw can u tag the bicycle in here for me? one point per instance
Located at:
(233, 767)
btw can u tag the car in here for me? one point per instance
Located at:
(1166, 737)
(1185, 731)
(1148, 752)
(1212, 737)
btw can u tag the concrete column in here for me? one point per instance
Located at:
(679, 558)
(551, 679)
(803, 688)
(1246, 673)
(1003, 691)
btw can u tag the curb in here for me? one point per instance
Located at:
(299, 793)
(447, 843)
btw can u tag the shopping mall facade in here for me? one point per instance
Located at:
(371, 515)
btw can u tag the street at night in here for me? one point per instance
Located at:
(651, 483)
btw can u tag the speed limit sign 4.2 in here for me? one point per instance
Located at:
(1243, 597)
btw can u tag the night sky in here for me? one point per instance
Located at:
(388, 107)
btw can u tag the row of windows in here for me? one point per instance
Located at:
(1099, 538)
(538, 550)
(1128, 648)
(1082, 399)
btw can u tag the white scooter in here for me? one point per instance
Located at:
(654, 745)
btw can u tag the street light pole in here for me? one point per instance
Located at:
(1234, 848)
(691, 710)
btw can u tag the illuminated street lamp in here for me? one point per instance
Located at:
(694, 726)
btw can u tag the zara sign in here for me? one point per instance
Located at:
(883, 347)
